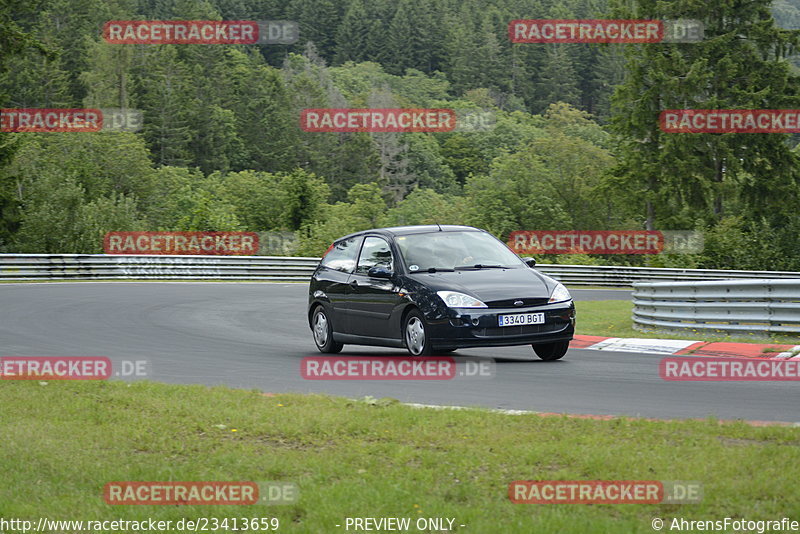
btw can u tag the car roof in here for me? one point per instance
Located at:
(419, 229)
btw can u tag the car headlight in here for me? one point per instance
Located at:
(454, 299)
(559, 294)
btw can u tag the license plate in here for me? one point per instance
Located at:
(519, 319)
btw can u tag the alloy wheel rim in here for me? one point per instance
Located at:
(320, 328)
(415, 335)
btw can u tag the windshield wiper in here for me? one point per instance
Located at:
(479, 266)
(437, 270)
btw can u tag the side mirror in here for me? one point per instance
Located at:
(530, 262)
(380, 271)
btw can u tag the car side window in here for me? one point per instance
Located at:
(342, 255)
(375, 251)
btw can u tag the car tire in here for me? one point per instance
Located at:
(551, 351)
(322, 331)
(415, 336)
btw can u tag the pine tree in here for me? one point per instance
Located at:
(352, 34)
(318, 21)
(163, 94)
(558, 81)
(739, 64)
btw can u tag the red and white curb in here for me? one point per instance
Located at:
(688, 347)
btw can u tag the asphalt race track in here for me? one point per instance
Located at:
(254, 335)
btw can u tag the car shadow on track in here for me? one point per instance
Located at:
(458, 356)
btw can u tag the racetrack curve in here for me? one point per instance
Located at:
(254, 335)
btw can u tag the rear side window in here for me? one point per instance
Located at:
(342, 255)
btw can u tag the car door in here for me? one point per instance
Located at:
(333, 280)
(371, 299)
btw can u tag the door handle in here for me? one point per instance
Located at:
(354, 282)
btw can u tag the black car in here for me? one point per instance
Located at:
(434, 289)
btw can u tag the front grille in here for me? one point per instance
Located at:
(503, 331)
(509, 303)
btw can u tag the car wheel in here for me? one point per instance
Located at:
(323, 332)
(415, 334)
(551, 351)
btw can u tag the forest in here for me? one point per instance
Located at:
(574, 141)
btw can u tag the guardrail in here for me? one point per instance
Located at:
(613, 276)
(280, 268)
(769, 306)
(104, 267)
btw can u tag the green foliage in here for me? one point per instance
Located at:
(426, 206)
(58, 218)
(740, 63)
(753, 244)
(221, 147)
(103, 163)
(302, 196)
(339, 220)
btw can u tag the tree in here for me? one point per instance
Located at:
(15, 41)
(411, 38)
(58, 219)
(102, 163)
(558, 81)
(463, 157)
(426, 166)
(172, 197)
(516, 195)
(364, 210)
(310, 15)
(302, 195)
(162, 84)
(356, 161)
(367, 203)
(739, 64)
(266, 122)
(108, 79)
(426, 206)
(256, 200)
(352, 34)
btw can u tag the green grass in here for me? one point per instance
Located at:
(612, 318)
(62, 442)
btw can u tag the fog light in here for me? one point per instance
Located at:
(475, 322)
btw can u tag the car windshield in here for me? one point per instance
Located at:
(454, 250)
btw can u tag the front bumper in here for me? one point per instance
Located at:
(478, 327)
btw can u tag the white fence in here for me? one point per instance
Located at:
(748, 306)
(280, 268)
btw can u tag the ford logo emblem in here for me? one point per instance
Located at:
(518, 303)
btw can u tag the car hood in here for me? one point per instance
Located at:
(491, 284)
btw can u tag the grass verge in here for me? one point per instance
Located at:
(63, 441)
(612, 318)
